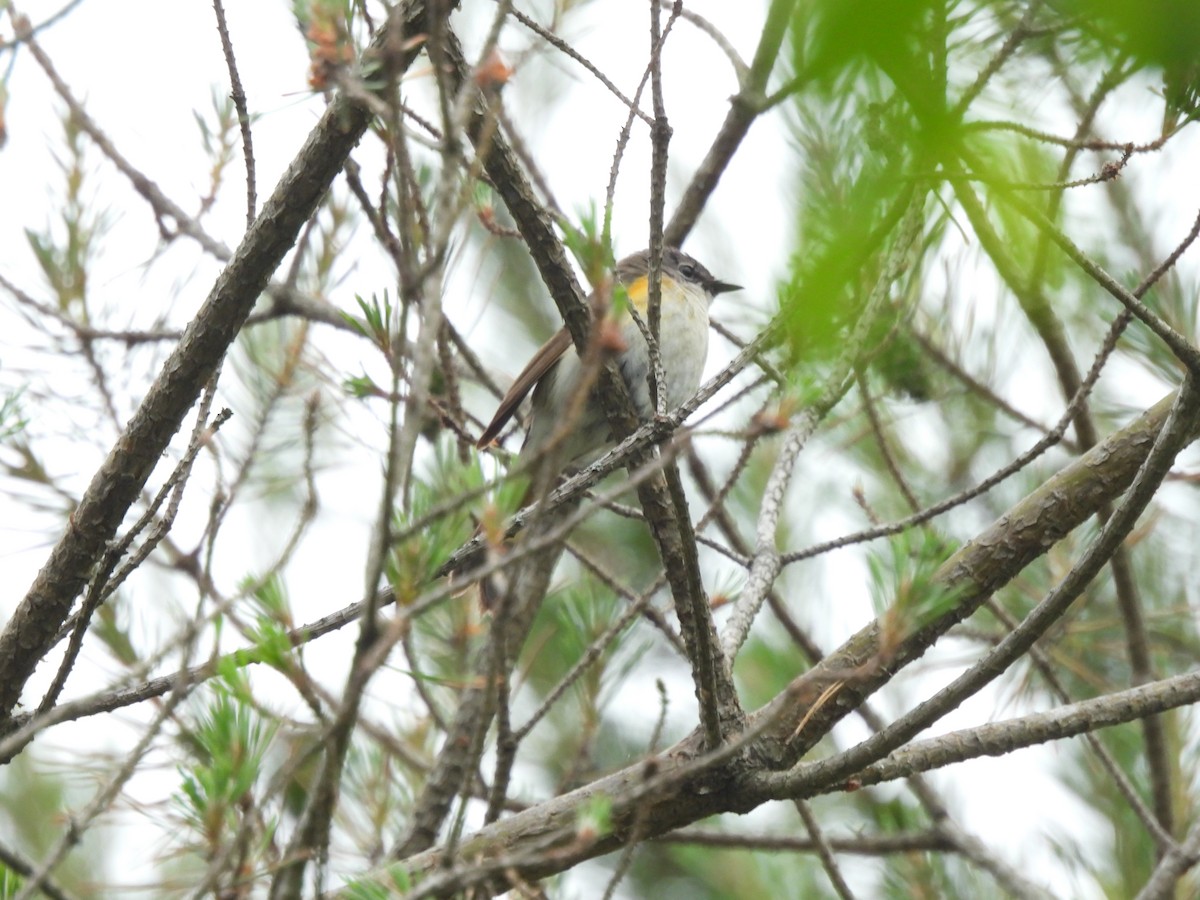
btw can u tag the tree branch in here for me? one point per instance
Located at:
(117, 483)
(684, 785)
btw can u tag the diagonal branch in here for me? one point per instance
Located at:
(464, 739)
(119, 480)
(768, 561)
(745, 107)
(1177, 428)
(684, 785)
(714, 684)
(999, 738)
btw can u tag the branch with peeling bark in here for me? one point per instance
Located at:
(685, 784)
(118, 481)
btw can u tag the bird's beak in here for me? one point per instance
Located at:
(721, 287)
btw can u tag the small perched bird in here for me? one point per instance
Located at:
(575, 427)
(579, 428)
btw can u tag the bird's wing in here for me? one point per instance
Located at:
(543, 361)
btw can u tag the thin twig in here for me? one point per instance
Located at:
(1052, 437)
(238, 95)
(824, 851)
(1176, 431)
(768, 561)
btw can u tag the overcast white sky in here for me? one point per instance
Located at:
(144, 67)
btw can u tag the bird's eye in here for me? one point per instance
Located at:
(688, 271)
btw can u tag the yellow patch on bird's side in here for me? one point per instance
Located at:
(638, 292)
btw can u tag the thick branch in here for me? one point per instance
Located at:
(745, 108)
(982, 567)
(119, 480)
(680, 786)
(714, 685)
(999, 738)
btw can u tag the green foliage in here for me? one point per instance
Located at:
(712, 873)
(590, 243)
(35, 796)
(1090, 658)
(566, 628)
(362, 889)
(618, 543)
(851, 199)
(377, 320)
(903, 583)
(835, 39)
(66, 250)
(220, 139)
(270, 597)
(1005, 164)
(936, 875)
(1178, 305)
(445, 500)
(231, 740)
(10, 882)
(1162, 35)
(373, 889)
(766, 667)
(595, 817)
(377, 789)
(276, 388)
(567, 624)
(903, 366)
(12, 416)
(271, 643)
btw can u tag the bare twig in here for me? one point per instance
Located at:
(1177, 430)
(999, 738)
(238, 94)
(1163, 883)
(824, 850)
(744, 109)
(120, 478)
(767, 559)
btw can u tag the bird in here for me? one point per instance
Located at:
(567, 419)
(563, 422)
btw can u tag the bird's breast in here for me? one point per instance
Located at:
(682, 343)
